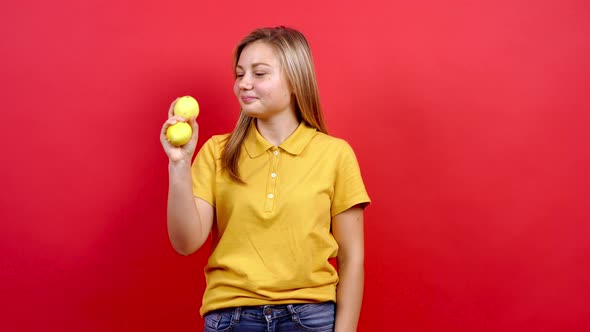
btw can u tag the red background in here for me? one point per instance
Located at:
(469, 119)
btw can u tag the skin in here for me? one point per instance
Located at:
(264, 93)
(189, 218)
(347, 228)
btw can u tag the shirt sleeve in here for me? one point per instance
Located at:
(349, 189)
(203, 172)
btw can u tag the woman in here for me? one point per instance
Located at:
(280, 197)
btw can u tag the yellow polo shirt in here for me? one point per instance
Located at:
(271, 237)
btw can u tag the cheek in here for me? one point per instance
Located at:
(287, 93)
(236, 88)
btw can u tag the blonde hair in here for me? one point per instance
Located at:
(297, 63)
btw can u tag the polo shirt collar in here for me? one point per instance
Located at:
(256, 145)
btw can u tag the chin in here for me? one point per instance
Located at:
(253, 113)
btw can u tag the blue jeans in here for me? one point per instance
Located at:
(312, 317)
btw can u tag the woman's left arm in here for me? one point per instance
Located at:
(347, 228)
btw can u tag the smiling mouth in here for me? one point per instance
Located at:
(248, 99)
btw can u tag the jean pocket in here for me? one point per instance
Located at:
(316, 317)
(218, 322)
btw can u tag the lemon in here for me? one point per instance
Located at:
(179, 134)
(186, 107)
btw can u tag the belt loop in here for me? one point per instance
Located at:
(294, 316)
(236, 316)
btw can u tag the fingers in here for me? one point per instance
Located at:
(195, 127)
(163, 138)
(170, 122)
(171, 109)
(187, 149)
(176, 118)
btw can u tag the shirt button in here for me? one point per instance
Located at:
(271, 195)
(276, 152)
(274, 175)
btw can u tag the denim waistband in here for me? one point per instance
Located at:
(272, 311)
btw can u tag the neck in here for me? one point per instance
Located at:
(277, 129)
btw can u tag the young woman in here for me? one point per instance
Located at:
(279, 196)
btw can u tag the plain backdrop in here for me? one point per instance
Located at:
(469, 120)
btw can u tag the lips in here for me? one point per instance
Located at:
(248, 99)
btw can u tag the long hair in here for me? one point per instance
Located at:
(297, 64)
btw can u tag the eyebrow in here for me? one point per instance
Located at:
(255, 65)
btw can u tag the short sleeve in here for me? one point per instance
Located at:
(203, 172)
(349, 188)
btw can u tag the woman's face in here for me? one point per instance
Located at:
(261, 85)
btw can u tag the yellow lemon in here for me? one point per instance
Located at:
(186, 107)
(179, 134)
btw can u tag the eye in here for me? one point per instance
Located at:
(239, 75)
(259, 74)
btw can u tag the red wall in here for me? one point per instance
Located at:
(469, 120)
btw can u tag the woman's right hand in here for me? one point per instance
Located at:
(179, 153)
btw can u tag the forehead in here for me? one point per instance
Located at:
(258, 52)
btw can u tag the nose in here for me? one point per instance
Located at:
(245, 82)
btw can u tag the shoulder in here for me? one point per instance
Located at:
(220, 139)
(216, 142)
(213, 147)
(334, 149)
(331, 143)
